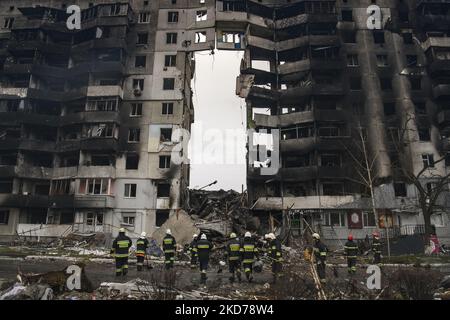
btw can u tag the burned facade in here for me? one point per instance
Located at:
(87, 116)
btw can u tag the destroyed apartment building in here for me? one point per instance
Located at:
(87, 116)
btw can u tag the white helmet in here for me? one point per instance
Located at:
(233, 235)
(247, 235)
(316, 236)
(203, 237)
(266, 236)
(143, 234)
(122, 230)
(194, 236)
(168, 231)
(271, 236)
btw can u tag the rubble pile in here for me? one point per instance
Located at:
(218, 213)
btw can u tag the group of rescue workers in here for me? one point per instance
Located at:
(240, 253)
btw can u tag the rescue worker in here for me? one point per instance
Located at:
(169, 245)
(376, 248)
(193, 251)
(320, 257)
(234, 257)
(275, 255)
(203, 249)
(248, 253)
(119, 251)
(141, 250)
(351, 252)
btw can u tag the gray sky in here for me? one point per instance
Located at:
(217, 149)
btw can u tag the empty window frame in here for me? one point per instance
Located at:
(201, 15)
(161, 217)
(231, 37)
(102, 130)
(140, 61)
(355, 83)
(170, 60)
(332, 189)
(138, 84)
(132, 161)
(168, 83)
(389, 108)
(347, 15)
(416, 83)
(8, 23)
(134, 135)
(163, 190)
(172, 16)
(142, 38)
(382, 60)
(164, 162)
(330, 160)
(378, 37)
(400, 189)
(165, 134)
(200, 37)
(6, 186)
(136, 110)
(424, 134)
(130, 190)
(171, 38)
(144, 17)
(386, 84)
(4, 217)
(102, 160)
(60, 187)
(352, 60)
(167, 108)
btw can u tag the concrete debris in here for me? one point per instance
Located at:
(182, 227)
(31, 292)
(445, 283)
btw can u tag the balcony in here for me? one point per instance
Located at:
(443, 117)
(27, 144)
(225, 19)
(17, 93)
(100, 144)
(311, 202)
(440, 42)
(89, 116)
(68, 145)
(96, 171)
(16, 118)
(310, 64)
(441, 91)
(440, 67)
(314, 143)
(105, 91)
(16, 46)
(52, 95)
(305, 18)
(294, 95)
(23, 201)
(289, 119)
(94, 201)
(106, 43)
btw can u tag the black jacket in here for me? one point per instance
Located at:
(141, 246)
(351, 249)
(234, 249)
(248, 250)
(320, 251)
(121, 245)
(203, 249)
(275, 250)
(169, 244)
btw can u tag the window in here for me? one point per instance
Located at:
(389, 109)
(102, 104)
(167, 108)
(334, 219)
(382, 60)
(130, 190)
(347, 15)
(166, 134)
(385, 84)
(428, 160)
(333, 189)
(164, 162)
(94, 186)
(200, 37)
(355, 83)
(378, 37)
(168, 83)
(411, 60)
(437, 220)
(163, 190)
(8, 23)
(172, 17)
(400, 189)
(202, 15)
(424, 134)
(138, 84)
(144, 17)
(142, 38)
(4, 216)
(416, 83)
(128, 219)
(136, 110)
(140, 61)
(101, 130)
(369, 219)
(161, 217)
(352, 60)
(132, 161)
(134, 135)
(171, 38)
(102, 160)
(170, 60)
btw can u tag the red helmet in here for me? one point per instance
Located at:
(375, 234)
(350, 237)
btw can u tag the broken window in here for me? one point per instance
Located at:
(400, 189)
(424, 134)
(101, 160)
(200, 37)
(330, 160)
(138, 84)
(167, 108)
(140, 61)
(42, 189)
(428, 160)
(411, 60)
(389, 109)
(134, 135)
(36, 216)
(382, 60)
(132, 161)
(170, 60)
(163, 190)
(8, 23)
(333, 189)
(142, 38)
(168, 83)
(171, 38)
(378, 37)
(102, 130)
(161, 217)
(201, 15)
(295, 161)
(130, 190)
(172, 16)
(231, 37)
(144, 17)
(166, 134)
(4, 217)
(136, 110)
(352, 60)
(233, 6)
(6, 186)
(60, 187)
(114, 9)
(164, 162)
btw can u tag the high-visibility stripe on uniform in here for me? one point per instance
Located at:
(168, 241)
(203, 246)
(121, 255)
(235, 247)
(123, 243)
(169, 251)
